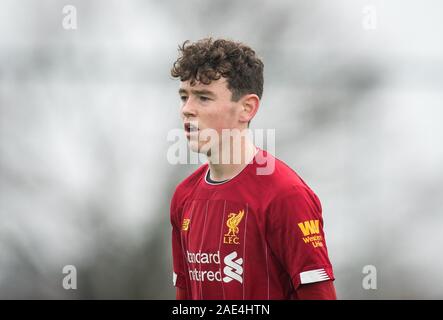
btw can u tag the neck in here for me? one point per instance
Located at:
(231, 160)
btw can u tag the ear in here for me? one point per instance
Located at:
(249, 105)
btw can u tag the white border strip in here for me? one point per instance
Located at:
(313, 276)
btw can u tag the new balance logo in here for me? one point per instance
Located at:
(233, 269)
(185, 224)
(309, 227)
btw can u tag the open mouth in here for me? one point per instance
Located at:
(190, 128)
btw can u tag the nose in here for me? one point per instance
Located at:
(188, 110)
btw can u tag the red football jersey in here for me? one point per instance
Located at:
(255, 236)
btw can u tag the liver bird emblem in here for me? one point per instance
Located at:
(233, 222)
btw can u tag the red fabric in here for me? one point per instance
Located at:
(180, 294)
(324, 290)
(256, 236)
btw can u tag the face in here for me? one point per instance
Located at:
(210, 107)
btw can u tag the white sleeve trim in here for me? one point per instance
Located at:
(174, 278)
(313, 276)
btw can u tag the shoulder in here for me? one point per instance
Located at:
(282, 181)
(289, 200)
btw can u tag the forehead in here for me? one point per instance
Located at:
(219, 85)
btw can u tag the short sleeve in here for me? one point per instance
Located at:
(178, 276)
(295, 236)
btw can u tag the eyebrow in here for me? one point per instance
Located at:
(198, 92)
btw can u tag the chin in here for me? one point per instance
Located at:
(200, 147)
(194, 146)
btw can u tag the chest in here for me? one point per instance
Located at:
(213, 226)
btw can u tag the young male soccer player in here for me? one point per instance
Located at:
(239, 231)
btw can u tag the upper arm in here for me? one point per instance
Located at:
(295, 236)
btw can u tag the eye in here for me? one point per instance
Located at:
(183, 98)
(203, 98)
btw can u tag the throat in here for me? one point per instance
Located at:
(220, 172)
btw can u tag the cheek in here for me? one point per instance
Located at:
(232, 114)
(220, 117)
(215, 115)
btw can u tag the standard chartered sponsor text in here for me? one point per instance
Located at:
(231, 271)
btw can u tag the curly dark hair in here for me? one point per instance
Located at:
(207, 60)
